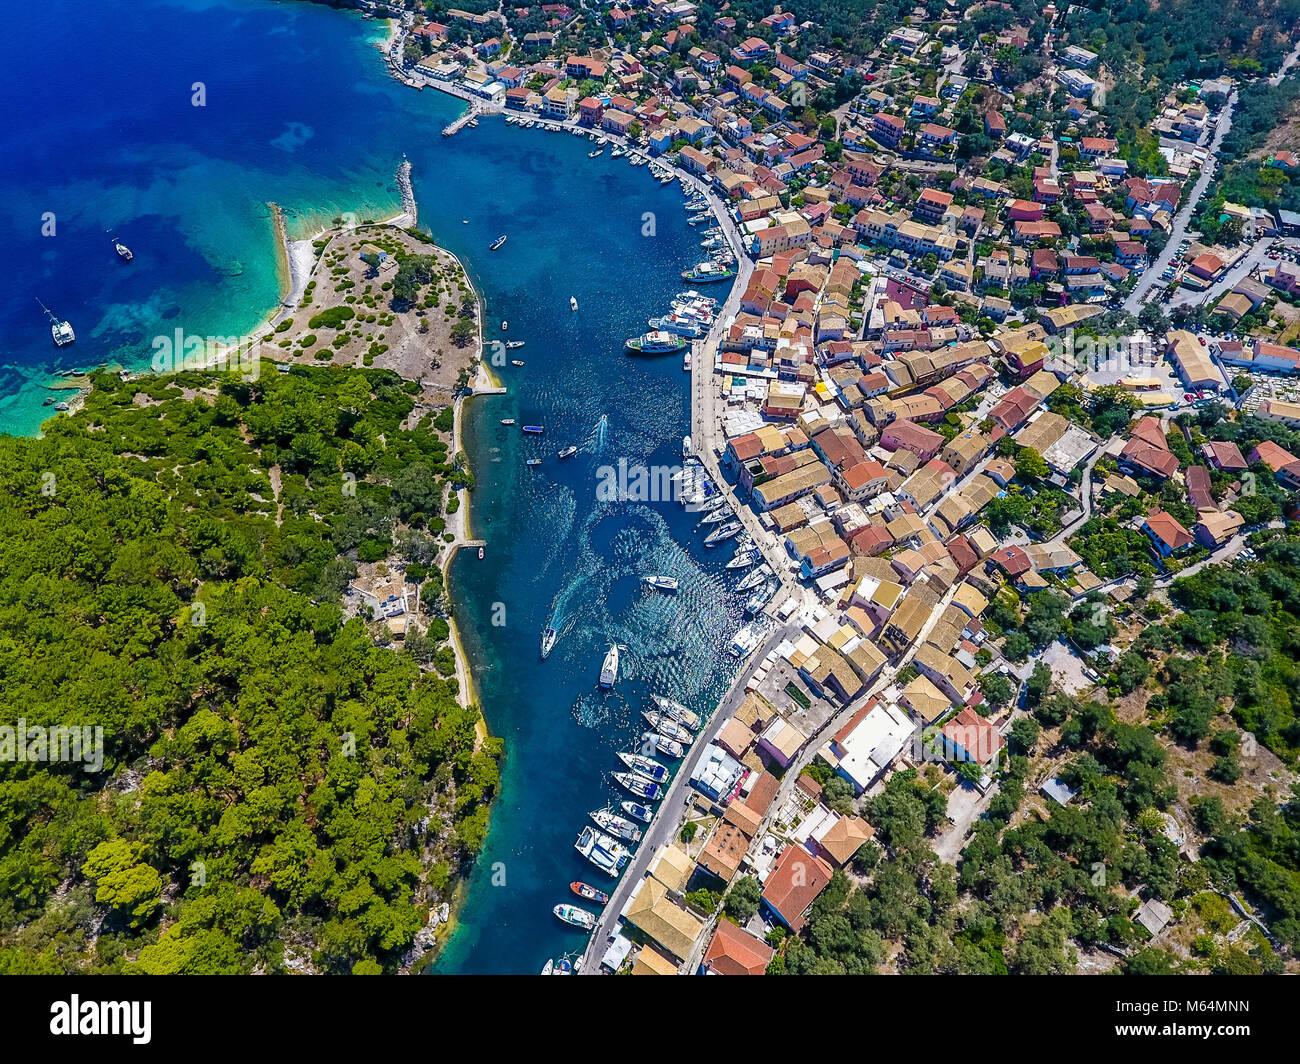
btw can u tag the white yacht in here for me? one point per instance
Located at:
(609, 670)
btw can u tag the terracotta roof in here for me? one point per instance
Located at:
(734, 951)
(793, 885)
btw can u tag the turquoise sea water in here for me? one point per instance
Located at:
(299, 110)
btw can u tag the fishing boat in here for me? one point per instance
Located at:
(667, 727)
(533, 462)
(645, 766)
(761, 597)
(608, 820)
(663, 583)
(588, 892)
(568, 452)
(516, 361)
(657, 342)
(605, 853)
(642, 812)
(507, 421)
(638, 786)
(60, 331)
(731, 528)
(687, 717)
(709, 271)
(755, 578)
(497, 242)
(573, 302)
(548, 640)
(535, 430)
(609, 668)
(667, 747)
(571, 914)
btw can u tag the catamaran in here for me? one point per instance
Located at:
(731, 528)
(609, 669)
(609, 855)
(548, 640)
(687, 717)
(590, 893)
(663, 583)
(667, 747)
(642, 812)
(60, 331)
(608, 820)
(644, 766)
(639, 786)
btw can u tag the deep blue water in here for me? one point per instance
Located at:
(299, 110)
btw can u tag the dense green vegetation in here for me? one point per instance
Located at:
(276, 789)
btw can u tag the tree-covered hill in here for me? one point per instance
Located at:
(276, 791)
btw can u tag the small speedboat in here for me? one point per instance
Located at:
(512, 344)
(534, 430)
(480, 554)
(573, 302)
(588, 892)
(507, 421)
(516, 361)
(505, 325)
(568, 452)
(533, 462)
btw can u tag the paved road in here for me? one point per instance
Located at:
(667, 822)
(1151, 277)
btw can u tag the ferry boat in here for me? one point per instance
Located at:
(535, 430)
(568, 452)
(708, 271)
(681, 326)
(573, 302)
(666, 746)
(663, 583)
(687, 717)
(755, 578)
(667, 727)
(761, 597)
(533, 462)
(608, 820)
(655, 343)
(60, 331)
(571, 914)
(590, 893)
(643, 813)
(732, 528)
(639, 786)
(609, 668)
(609, 855)
(548, 641)
(507, 421)
(497, 242)
(644, 766)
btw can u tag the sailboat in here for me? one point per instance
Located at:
(609, 668)
(60, 331)
(548, 640)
